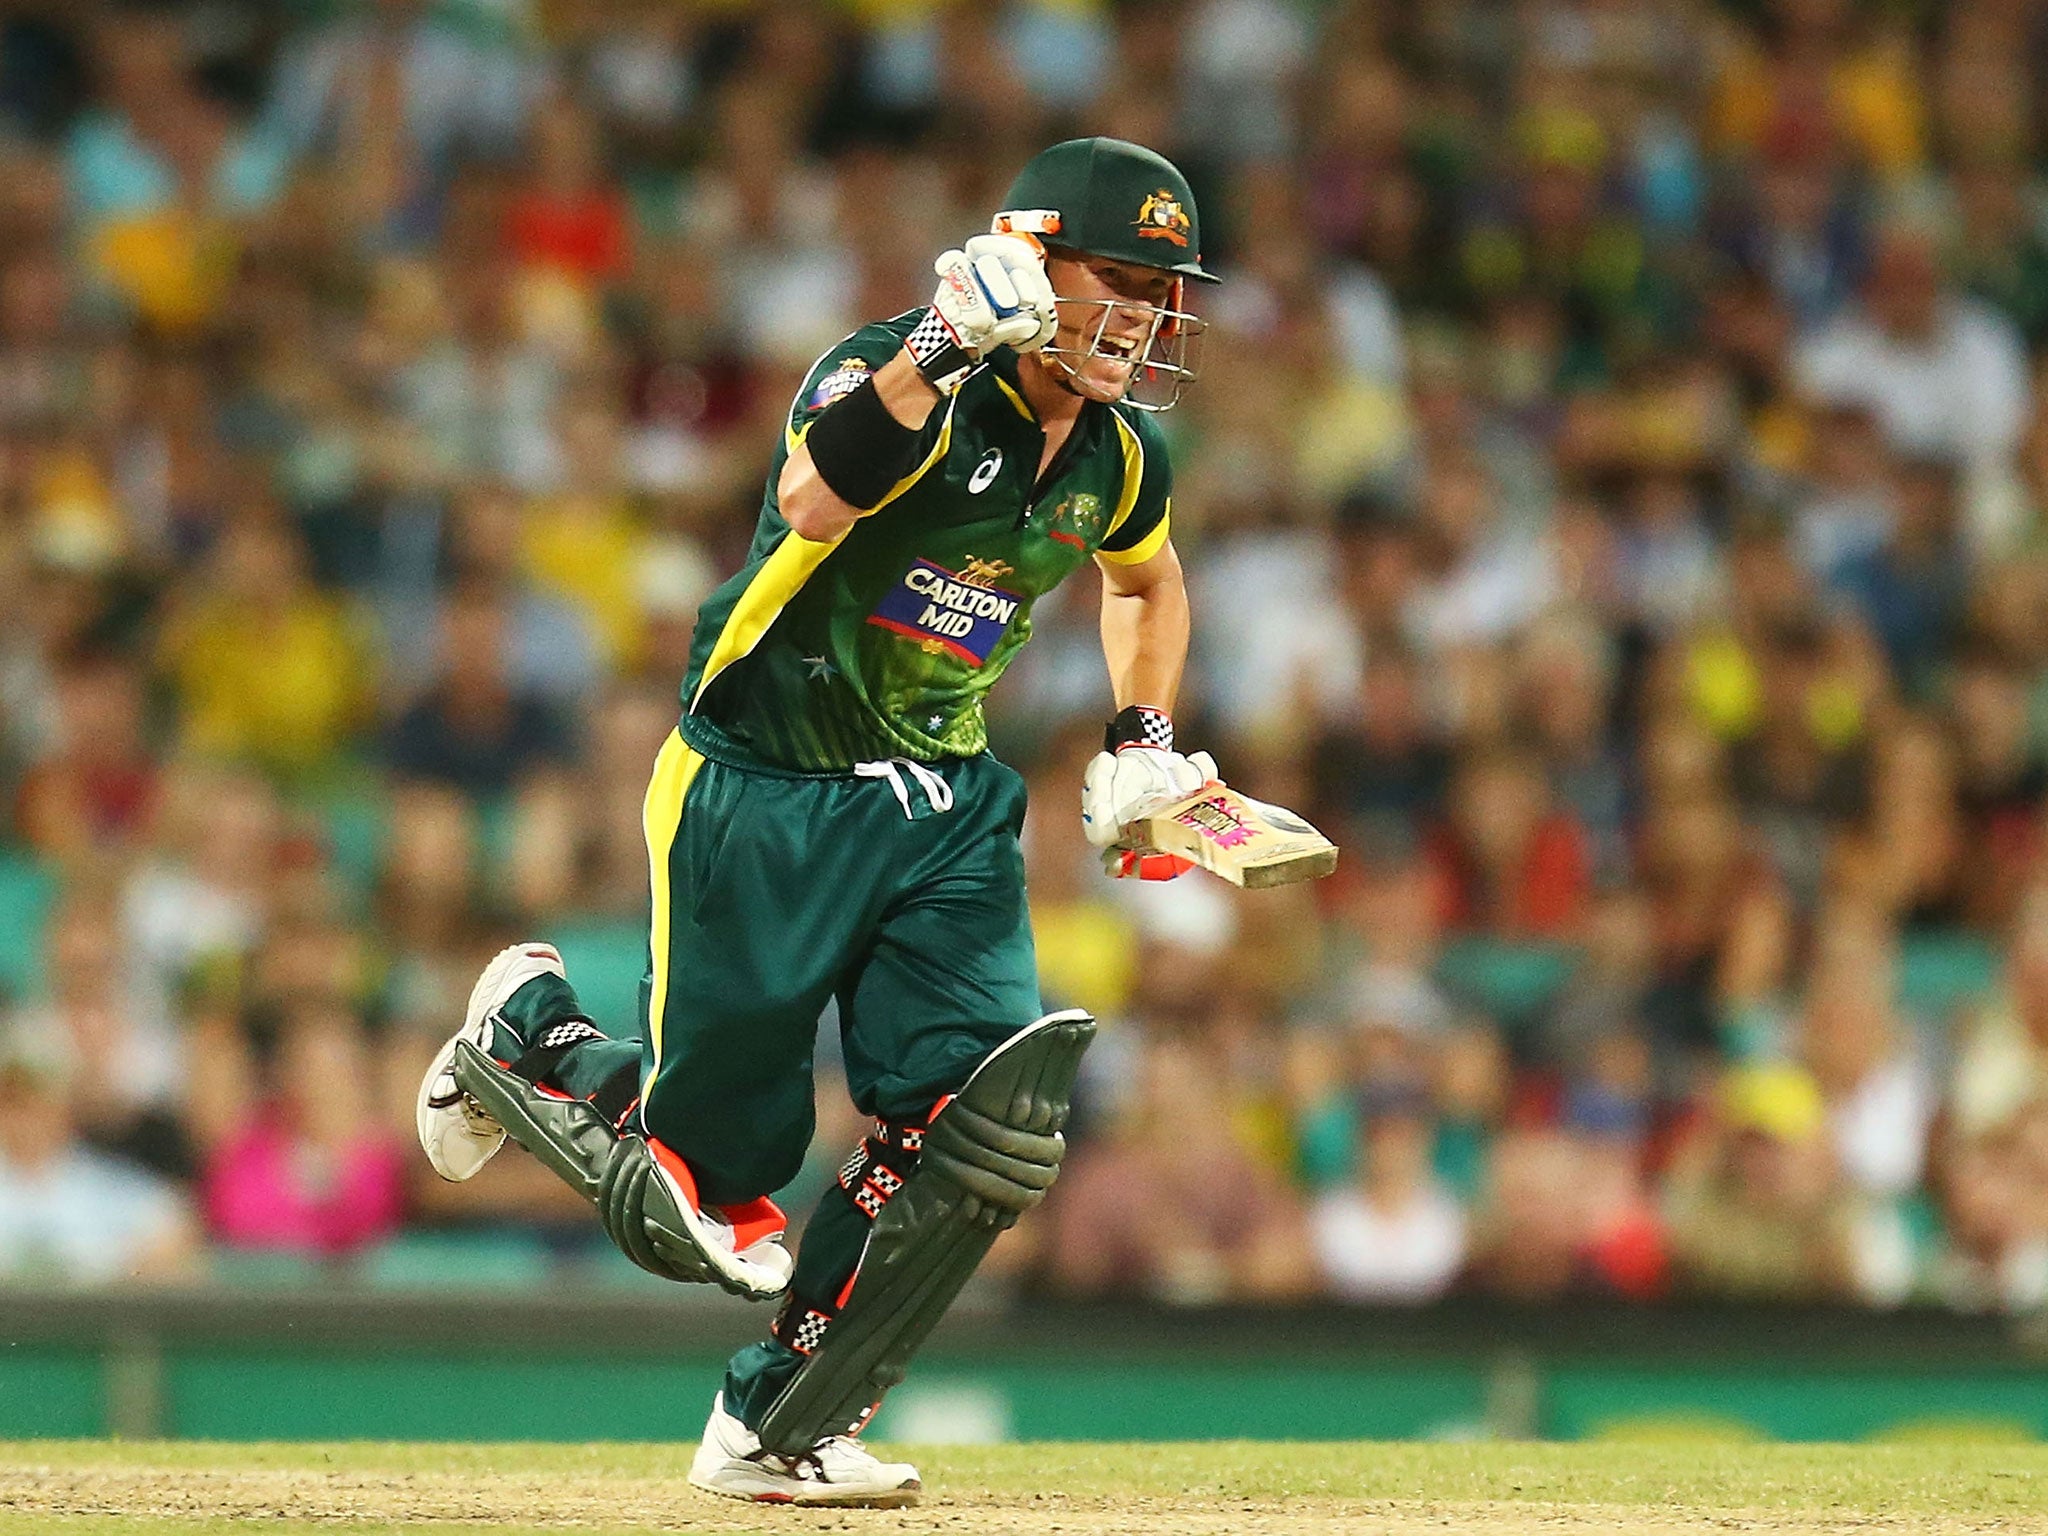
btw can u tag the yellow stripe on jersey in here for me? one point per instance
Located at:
(661, 818)
(1134, 473)
(1016, 399)
(1146, 547)
(1127, 501)
(783, 574)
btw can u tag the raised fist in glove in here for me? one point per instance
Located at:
(1135, 774)
(993, 292)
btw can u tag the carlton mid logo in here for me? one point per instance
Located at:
(1160, 218)
(840, 382)
(963, 612)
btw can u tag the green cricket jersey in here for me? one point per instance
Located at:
(819, 656)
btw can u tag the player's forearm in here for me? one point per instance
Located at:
(1145, 640)
(809, 505)
(812, 508)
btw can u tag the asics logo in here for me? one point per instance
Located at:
(985, 472)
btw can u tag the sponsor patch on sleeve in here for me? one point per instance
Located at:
(961, 612)
(843, 380)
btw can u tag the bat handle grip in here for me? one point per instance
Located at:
(1144, 864)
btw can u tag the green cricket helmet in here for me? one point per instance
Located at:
(1110, 198)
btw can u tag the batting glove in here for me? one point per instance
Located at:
(1138, 772)
(992, 293)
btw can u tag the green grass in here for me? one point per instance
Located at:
(168, 1488)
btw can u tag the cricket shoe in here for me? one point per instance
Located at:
(837, 1471)
(459, 1135)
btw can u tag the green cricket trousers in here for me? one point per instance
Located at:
(897, 890)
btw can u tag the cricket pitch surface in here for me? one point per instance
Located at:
(178, 1488)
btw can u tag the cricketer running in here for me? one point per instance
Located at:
(826, 822)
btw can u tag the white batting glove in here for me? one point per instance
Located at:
(992, 293)
(1131, 782)
(1137, 777)
(1016, 306)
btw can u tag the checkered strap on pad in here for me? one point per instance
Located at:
(801, 1326)
(877, 1168)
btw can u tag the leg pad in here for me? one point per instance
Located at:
(647, 1207)
(637, 1200)
(989, 1156)
(567, 1134)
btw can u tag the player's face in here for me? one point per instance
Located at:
(1109, 311)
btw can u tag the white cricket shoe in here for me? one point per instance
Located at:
(836, 1471)
(457, 1135)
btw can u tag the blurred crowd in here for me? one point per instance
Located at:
(1616, 504)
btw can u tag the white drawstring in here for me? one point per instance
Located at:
(937, 792)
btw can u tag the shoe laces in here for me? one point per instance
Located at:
(800, 1465)
(840, 1454)
(479, 1119)
(844, 1449)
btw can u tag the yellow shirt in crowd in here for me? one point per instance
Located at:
(588, 550)
(284, 691)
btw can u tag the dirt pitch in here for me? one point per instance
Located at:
(183, 1489)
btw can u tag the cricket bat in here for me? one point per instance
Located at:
(1245, 841)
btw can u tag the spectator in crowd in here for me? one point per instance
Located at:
(312, 1170)
(1528, 1227)
(1394, 1234)
(473, 743)
(269, 670)
(1170, 1204)
(126, 1080)
(1608, 1111)
(2001, 1062)
(1880, 1094)
(1849, 510)
(68, 1214)
(413, 83)
(1566, 1212)
(197, 907)
(1758, 1210)
(1607, 996)
(95, 792)
(1510, 862)
(2002, 778)
(570, 220)
(584, 543)
(550, 647)
(1911, 587)
(1944, 374)
(161, 177)
(1381, 772)
(1995, 1257)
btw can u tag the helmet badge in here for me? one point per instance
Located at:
(1160, 218)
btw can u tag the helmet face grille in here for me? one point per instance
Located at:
(1167, 358)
